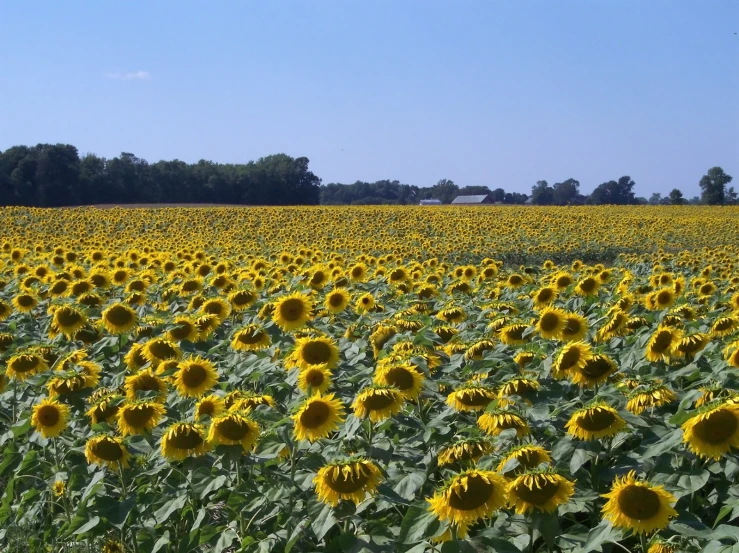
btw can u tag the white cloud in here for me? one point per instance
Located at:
(132, 76)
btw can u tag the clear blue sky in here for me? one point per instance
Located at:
(481, 92)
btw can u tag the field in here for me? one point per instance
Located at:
(369, 379)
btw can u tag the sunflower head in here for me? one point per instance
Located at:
(139, 417)
(468, 450)
(182, 440)
(637, 505)
(469, 496)
(233, 428)
(595, 370)
(293, 311)
(404, 376)
(713, 431)
(495, 421)
(520, 458)
(119, 318)
(350, 480)
(317, 417)
(594, 422)
(49, 417)
(316, 352)
(195, 376)
(539, 489)
(106, 450)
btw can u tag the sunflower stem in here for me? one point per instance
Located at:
(124, 492)
(643, 541)
(531, 538)
(420, 409)
(291, 501)
(57, 469)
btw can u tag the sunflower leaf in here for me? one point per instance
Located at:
(418, 524)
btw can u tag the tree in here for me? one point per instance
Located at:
(713, 186)
(676, 197)
(474, 190)
(498, 195)
(565, 193)
(542, 193)
(619, 192)
(731, 196)
(515, 198)
(445, 190)
(655, 199)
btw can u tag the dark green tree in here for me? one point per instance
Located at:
(676, 197)
(713, 186)
(620, 192)
(542, 193)
(567, 192)
(445, 190)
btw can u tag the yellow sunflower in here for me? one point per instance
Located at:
(119, 318)
(471, 397)
(513, 334)
(25, 365)
(723, 326)
(469, 496)
(250, 338)
(316, 353)
(406, 377)
(378, 403)
(661, 343)
(25, 303)
(365, 303)
(544, 296)
(139, 417)
(638, 506)
(649, 397)
(470, 449)
(5, 310)
(496, 421)
(293, 311)
(195, 376)
(596, 370)
(317, 417)
(713, 431)
(182, 440)
(551, 323)
(242, 299)
(520, 458)
(594, 422)
(575, 329)
(49, 417)
(234, 428)
(183, 329)
(106, 451)
(688, 346)
(572, 357)
(542, 490)
(318, 380)
(350, 480)
(157, 350)
(210, 405)
(68, 320)
(337, 301)
(146, 381)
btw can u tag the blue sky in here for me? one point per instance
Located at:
(481, 92)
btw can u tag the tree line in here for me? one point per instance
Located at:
(54, 175)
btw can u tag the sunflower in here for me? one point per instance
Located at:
(571, 358)
(544, 296)
(106, 451)
(365, 303)
(469, 496)
(406, 377)
(183, 329)
(475, 351)
(337, 300)
(24, 303)
(240, 401)
(195, 376)
(157, 350)
(452, 314)
(138, 417)
(515, 281)
(654, 395)
(596, 370)
(496, 421)
(638, 506)
(104, 408)
(470, 449)
(526, 388)
(378, 403)
(317, 417)
(723, 326)
(316, 353)
(25, 365)
(49, 417)
(68, 320)
(74, 378)
(216, 306)
(5, 310)
(615, 326)
(146, 381)
(135, 359)
(358, 272)
(551, 323)
(575, 329)
(182, 440)
(119, 318)
(713, 431)
(594, 422)
(542, 490)
(588, 286)
(350, 480)
(293, 311)
(661, 343)
(662, 546)
(242, 299)
(317, 380)
(513, 334)
(210, 405)
(523, 358)
(471, 397)
(688, 346)
(520, 458)
(233, 428)
(250, 338)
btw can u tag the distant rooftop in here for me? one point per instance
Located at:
(479, 199)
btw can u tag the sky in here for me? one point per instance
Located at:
(483, 92)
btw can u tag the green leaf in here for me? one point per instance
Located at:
(94, 521)
(668, 442)
(227, 537)
(161, 542)
(296, 533)
(410, 484)
(214, 484)
(323, 519)
(166, 510)
(21, 428)
(603, 533)
(418, 524)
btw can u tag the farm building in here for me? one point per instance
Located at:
(482, 199)
(430, 202)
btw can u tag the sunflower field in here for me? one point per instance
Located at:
(369, 379)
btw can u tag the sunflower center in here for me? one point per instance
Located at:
(549, 322)
(213, 308)
(399, 377)
(242, 298)
(316, 353)
(25, 301)
(544, 295)
(315, 415)
(314, 378)
(181, 331)
(540, 491)
(379, 401)
(108, 450)
(474, 398)
(161, 350)
(588, 285)
(250, 336)
(478, 492)
(193, 375)
(186, 438)
(516, 332)
(572, 327)
(138, 416)
(68, 317)
(662, 341)
(596, 368)
(717, 427)
(638, 502)
(292, 309)
(664, 297)
(233, 429)
(570, 358)
(146, 383)
(342, 482)
(25, 363)
(48, 415)
(596, 419)
(336, 300)
(118, 315)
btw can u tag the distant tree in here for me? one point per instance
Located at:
(445, 190)
(498, 195)
(695, 200)
(655, 199)
(731, 196)
(474, 190)
(542, 193)
(619, 192)
(515, 198)
(565, 193)
(676, 197)
(713, 184)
